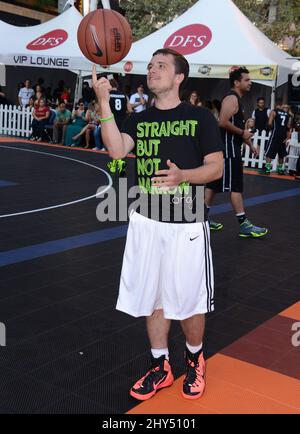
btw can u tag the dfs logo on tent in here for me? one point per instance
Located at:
(189, 39)
(49, 40)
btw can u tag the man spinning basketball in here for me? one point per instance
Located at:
(167, 266)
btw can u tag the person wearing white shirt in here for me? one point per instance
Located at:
(139, 100)
(25, 94)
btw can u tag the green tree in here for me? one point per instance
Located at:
(146, 16)
(275, 18)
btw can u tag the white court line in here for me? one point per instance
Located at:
(110, 182)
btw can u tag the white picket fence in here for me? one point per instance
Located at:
(15, 121)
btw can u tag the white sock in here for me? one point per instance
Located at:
(157, 353)
(194, 350)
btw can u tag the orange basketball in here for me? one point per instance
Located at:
(104, 36)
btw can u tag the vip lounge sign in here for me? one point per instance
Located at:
(45, 42)
(189, 39)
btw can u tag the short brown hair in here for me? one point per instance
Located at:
(181, 64)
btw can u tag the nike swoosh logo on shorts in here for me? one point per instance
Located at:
(192, 239)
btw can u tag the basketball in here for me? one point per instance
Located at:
(104, 36)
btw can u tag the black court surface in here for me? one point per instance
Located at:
(67, 349)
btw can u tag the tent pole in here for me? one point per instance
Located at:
(273, 95)
(78, 88)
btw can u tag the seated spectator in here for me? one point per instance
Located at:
(92, 118)
(63, 116)
(40, 116)
(25, 93)
(3, 99)
(78, 122)
(194, 98)
(32, 103)
(65, 95)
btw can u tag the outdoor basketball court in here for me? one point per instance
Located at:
(69, 351)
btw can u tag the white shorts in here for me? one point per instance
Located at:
(166, 266)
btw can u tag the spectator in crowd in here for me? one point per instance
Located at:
(91, 118)
(88, 95)
(250, 126)
(58, 91)
(63, 116)
(139, 100)
(3, 99)
(48, 96)
(32, 103)
(40, 116)
(40, 82)
(39, 92)
(194, 98)
(78, 122)
(66, 95)
(261, 116)
(25, 93)
(97, 130)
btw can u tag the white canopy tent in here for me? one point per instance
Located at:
(213, 35)
(51, 44)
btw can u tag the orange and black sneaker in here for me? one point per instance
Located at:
(194, 382)
(159, 376)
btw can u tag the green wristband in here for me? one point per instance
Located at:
(109, 118)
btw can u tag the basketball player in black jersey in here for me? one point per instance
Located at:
(280, 123)
(232, 125)
(120, 107)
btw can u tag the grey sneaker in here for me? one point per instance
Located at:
(248, 230)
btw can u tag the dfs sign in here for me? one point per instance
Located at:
(189, 39)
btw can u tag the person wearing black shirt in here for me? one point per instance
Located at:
(261, 115)
(233, 132)
(167, 271)
(280, 124)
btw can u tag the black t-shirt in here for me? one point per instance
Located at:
(184, 135)
(233, 142)
(280, 124)
(118, 105)
(261, 119)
